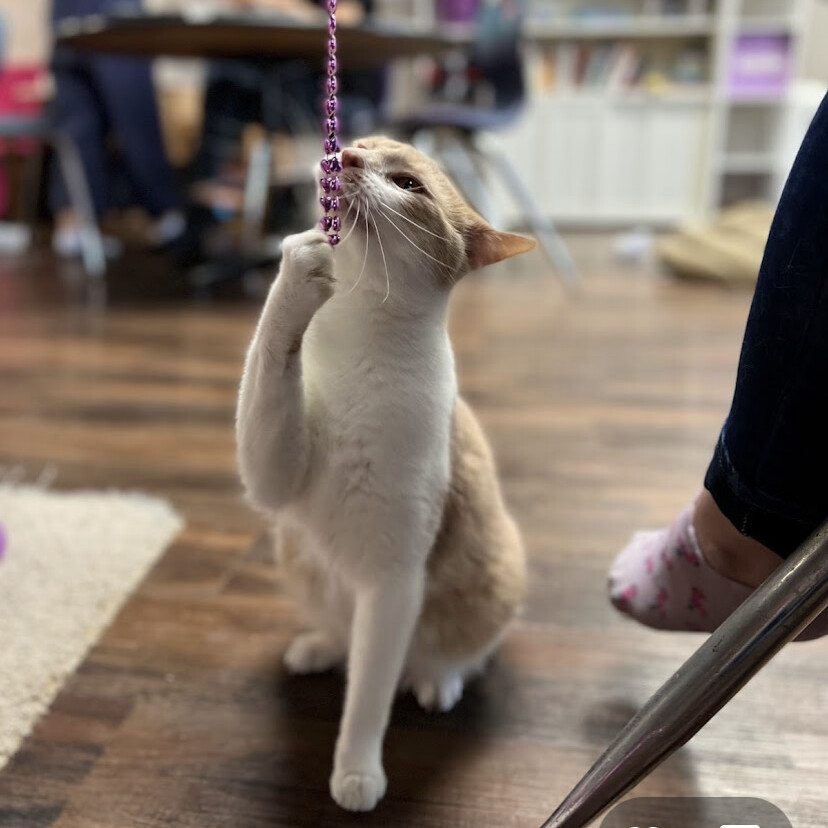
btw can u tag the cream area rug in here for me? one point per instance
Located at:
(68, 561)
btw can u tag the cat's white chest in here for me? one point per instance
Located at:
(380, 397)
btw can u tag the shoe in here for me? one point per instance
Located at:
(167, 229)
(67, 243)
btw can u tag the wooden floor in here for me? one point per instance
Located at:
(603, 410)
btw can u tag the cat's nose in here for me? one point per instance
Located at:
(352, 158)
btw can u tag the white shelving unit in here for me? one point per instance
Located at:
(640, 27)
(670, 145)
(658, 151)
(755, 135)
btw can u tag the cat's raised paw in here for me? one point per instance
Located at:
(439, 695)
(312, 652)
(310, 255)
(358, 790)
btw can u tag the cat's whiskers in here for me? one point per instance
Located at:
(350, 207)
(411, 221)
(365, 257)
(385, 263)
(415, 245)
(356, 220)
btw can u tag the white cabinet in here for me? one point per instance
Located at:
(610, 160)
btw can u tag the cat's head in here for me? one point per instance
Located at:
(400, 211)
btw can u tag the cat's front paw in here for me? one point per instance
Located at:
(358, 790)
(308, 264)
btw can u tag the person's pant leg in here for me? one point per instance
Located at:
(76, 111)
(232, 100)
(128, 93)
(769, 472)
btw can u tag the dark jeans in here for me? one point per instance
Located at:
(107, 105)
(769, 473)
(281, 95)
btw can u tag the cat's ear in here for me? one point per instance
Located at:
(485, 245)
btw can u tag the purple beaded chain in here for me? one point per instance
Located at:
(331, 164)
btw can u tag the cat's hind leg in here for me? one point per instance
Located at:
(437, 682)
(440, 694)
(314, 652)
(324, 602)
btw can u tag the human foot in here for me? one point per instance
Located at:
(726, 549)
(70, 234)
(693, 574)
(167, 228)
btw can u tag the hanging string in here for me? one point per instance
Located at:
(331, 165)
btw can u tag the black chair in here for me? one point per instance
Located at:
(454, 130)
(286, 93)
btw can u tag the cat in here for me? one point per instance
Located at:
(387, 515)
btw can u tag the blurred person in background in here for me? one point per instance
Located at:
(107, 105)
(281, 94)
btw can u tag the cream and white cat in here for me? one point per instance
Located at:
(388, 517)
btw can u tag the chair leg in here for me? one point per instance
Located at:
(553, 245)
(774, 614)
(92, 248)
(448, 150)
(458, 159)
(256, 189)
(425, 141)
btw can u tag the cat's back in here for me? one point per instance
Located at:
(477, 567)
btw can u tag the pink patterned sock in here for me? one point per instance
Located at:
(662, 579)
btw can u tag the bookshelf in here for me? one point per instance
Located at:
(656, 111)
(659, 112)
(542, 29)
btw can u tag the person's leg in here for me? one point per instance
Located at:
(126, 88)
(232, 100)
(768, 473)
(766, 488)
(77, 112)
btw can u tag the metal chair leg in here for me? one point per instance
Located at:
(551, 242)
(256, 190)
(443, 145)
(92, 248)
(425, 142)
(459, 163)
(774, 614)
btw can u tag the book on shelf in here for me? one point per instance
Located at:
(569, 67)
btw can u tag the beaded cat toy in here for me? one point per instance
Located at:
(331, 165)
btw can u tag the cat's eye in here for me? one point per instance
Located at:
(408, 182)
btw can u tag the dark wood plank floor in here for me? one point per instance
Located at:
(603, 411)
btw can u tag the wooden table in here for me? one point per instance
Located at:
(250, 36)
